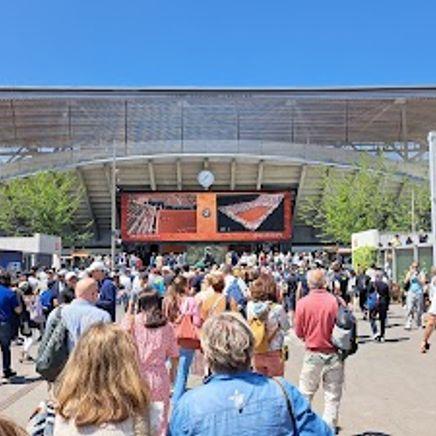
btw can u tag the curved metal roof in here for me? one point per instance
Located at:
(250, 138)
(41, 120)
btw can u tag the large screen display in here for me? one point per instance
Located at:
(251, 212)
(205, 216)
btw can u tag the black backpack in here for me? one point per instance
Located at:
(53, 352)
(344, 334)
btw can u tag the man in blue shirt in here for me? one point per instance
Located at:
(236, 401)
(107, 299)
(8, 307)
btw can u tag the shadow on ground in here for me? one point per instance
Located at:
(372, 433)
(21, 380)
(367, 339)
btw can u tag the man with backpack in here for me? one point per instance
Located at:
(236, 290)
(315, 320)
(65, 326)
(378, 306)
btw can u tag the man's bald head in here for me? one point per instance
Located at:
(316, 278)
(87, 289)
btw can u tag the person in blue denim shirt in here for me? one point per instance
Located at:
(236, 401)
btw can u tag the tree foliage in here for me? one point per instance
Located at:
(364, 257)
(363, 199)
(43, 203)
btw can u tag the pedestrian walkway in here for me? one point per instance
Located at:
(389, 388)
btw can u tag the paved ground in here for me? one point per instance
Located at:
(390, 388)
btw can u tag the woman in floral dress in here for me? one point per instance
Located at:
(156, 343)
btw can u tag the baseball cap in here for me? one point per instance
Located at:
(97, 266)
(70, 275)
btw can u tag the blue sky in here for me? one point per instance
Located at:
(217, 43)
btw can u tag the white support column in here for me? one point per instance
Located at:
(179, 174)
(432, 159)
(259, 175)
(233, 175)
(151, 175)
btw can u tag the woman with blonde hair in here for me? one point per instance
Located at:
(101, 391)
(9, 428)
(217, 302)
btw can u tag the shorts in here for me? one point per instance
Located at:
(270, 364)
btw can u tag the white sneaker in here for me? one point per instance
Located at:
(375, 337)
(382, 339)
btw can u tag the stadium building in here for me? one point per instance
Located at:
(231, 166)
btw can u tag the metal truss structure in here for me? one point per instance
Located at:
(250, 138)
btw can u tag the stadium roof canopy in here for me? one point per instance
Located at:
(250, 138)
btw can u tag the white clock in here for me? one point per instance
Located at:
(206, 178)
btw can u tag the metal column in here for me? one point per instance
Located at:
(432, 159)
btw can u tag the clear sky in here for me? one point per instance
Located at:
(217, 43)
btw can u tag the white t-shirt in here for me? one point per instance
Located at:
(125, 428)
(126, 282)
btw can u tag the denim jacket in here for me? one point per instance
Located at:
(244, 404)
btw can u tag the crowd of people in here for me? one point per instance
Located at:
(227, 323)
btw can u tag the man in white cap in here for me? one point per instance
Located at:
(107, 288)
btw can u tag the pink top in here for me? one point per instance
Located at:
(315, 317)
(189, 306)
(155, 346)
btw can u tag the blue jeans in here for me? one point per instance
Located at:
(5, 345)
(185, 359)
(414, 308)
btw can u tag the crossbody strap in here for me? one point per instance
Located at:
(288, 405)
(215, 305)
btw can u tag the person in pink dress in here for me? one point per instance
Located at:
(156, 343)
(178, 303)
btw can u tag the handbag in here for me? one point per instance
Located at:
(187, 334)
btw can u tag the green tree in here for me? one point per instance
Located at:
(401, 219)
(43, 203)
(363, 199)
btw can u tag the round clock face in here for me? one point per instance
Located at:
(206, 213)
(206, 178)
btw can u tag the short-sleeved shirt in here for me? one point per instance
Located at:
(79, 315)
(8, 303)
